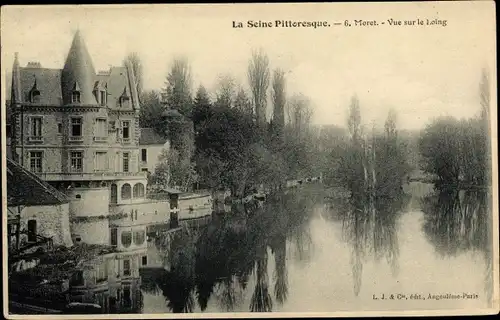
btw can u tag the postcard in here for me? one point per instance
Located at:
(249, 160)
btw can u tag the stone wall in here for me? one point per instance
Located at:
(91, 232)
(51, 221)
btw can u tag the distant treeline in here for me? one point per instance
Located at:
(222, 139)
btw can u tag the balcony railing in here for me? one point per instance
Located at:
(35, 139)
(89, 176)
(100, 139)
(75, 139)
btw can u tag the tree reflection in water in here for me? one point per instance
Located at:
(229, 256)
(370, 226)
(458, 221)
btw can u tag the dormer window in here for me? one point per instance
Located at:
(123, 98)
(75, 97)
(34, 93)
(35, 96)
(123, 101)
(100, 93)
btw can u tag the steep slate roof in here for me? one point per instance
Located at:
(26, 189)
(150, 137)
(48, 82)
(115, 80)
(78, 71)
(56, 85)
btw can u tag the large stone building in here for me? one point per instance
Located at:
(79, 131)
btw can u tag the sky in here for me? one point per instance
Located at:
(420, 71)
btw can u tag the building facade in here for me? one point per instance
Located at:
(152, 145)
(79, 131)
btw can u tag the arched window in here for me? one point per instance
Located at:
(126, 239)
(126, 191)
(75, 97)
(139, 237)
(35, 96)
(138, 190)
(114, 193)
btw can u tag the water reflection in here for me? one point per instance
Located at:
(370, 227)
(230, 256)
(458, 221)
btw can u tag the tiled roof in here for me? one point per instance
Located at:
(26, 189)
(149, 137)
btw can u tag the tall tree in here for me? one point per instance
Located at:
(225, 91)
(242, 102)
(151, 111)
(354, 119)
(484, 93)
(279, 100)
(299, 114)
(201, 107)
(136, 63)
(178, 84)
(258, 78)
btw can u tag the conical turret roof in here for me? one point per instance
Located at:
(78, 72)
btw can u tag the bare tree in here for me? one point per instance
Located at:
(136, 63)
(299, 114)
(354, 118)
(484, 94)
(258, 78)
(390, 123)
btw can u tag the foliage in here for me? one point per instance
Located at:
(258, 79)
(242, 102)
(151, 110)
(225, 92)
(177, 91)
(455, 152)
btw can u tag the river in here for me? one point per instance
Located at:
(302, 253)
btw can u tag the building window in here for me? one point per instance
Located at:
(102, 272)
(138, 190)
(59, 128)
(75, 97)
(144, 260)
(31, 230)
(100, 128)
(8, 129)
(76, 161)
(144, 155)
(144, 169)
(126, 239)
(35, 96)
(78, 196)
(126, 191)
(139, 238)
(36, 161)
(103, 97)
(114, 236)
(126, 267)
(76, 127)
(126, 130)
(36, 127)
(126, 162)
(114, 194)
(101, 161)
